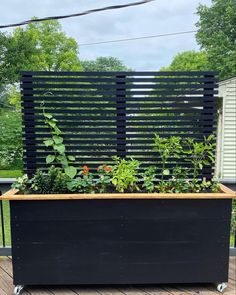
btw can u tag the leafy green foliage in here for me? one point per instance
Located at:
(189, 61)
(10, 140)
(167, 148)
(84, 183)
(149, 177)
(125, 174)
(59, 149)
(104, 64)
(14, 97)
(104, 178)
(179, 182)
(22, 183)
(44, 182)
(52, 181)
(199, 154)
(217, 34)
(39, 46)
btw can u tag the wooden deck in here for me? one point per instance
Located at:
(6, 286)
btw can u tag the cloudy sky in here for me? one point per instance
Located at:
(158, 17)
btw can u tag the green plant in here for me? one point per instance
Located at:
(104, 178)
(180, 182)
(22, 183)
(51, 181)
(167, 148)
(164, 186)
(211, 185)
(56, 143)
(125, 174)
(199, 153)
(10, 139)
(84, 183)
(149, 177)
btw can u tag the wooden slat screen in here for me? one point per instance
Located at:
(116, 113)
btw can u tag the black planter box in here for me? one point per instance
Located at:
(120, 241)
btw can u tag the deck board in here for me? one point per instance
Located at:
(6, 286)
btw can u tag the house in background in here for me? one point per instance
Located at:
(226, 132)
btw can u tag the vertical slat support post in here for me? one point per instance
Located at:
(209, 104)
(121, 115)
(28, 117)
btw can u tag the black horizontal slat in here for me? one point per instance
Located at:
(74, 126)
(121, 92)
(119, 73)
(70, 99)
(126, 104)
(112, 136)
(31, 142)
(117, 79)
(97, 129)
(109, 112)
(83, 116)
(87, 154)
(175, 87)
(92, 158)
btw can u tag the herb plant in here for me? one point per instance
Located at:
(167, 148)
(180, 182)
(53, 181)
(149, 177)
(125, 174)
(199, 153)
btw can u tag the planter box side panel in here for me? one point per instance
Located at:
(120, 241)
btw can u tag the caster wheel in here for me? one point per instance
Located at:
(18, 289)
(221, 287)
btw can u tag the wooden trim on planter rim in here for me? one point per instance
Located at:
(225, 193)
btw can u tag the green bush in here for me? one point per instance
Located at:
(10, 139)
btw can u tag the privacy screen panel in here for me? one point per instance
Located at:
(103, 114)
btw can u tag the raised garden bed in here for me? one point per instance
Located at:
(120, 238)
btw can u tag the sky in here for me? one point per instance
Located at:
(158, 17)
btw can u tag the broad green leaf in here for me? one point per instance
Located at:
(60, 148)
(57, 139)
(48, 142)
(49, 116)
(166, 172)
(63, 160)
(52, 124)
(70, 171)
(50, 159)
(71, 158)
(57, 131)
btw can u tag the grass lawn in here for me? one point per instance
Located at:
(6, 211)
(10, 173)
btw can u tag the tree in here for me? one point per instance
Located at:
(3, 49)
(217, 34)
(40, 46)
(189, 61)
(104, 64)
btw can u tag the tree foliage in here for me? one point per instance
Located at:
(38, 46)
(189, 61)
(217, 35)
(104, 64)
